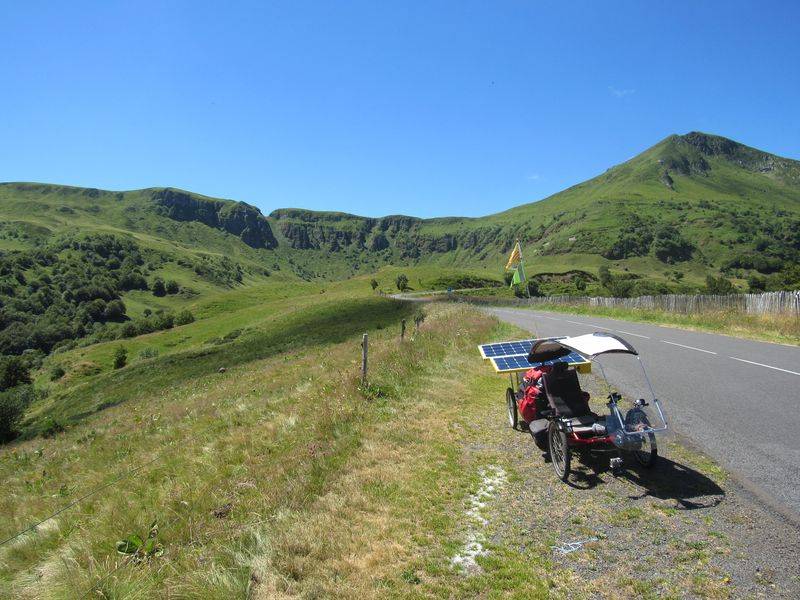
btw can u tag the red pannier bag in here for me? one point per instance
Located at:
(527, 404)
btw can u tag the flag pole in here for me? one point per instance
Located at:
(527, 289)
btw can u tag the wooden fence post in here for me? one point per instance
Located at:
(402, 330)
(364, 348)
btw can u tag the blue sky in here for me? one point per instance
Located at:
(423, 108)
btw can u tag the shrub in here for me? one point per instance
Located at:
(115, 311)
(148, 353)
(120, 357)
(159, 289)
(374, 284)
(164, 321)
(402, 282)
(50, 427)
(129, 330)
(605, 276)
(719, 285)
(184, 317)
(13, 372)
(57, 372)
(756, 283)
(172, 287)
(12, 407)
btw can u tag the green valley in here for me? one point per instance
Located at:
(197, 362)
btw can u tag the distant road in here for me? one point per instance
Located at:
(737, 399)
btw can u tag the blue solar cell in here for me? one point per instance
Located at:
(506, 348)
(519, 362)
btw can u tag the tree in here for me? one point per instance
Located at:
(115, 310)
(120, 357)
(756, 283)
(13, 372)
(172, 287)
(605, 276)
(12, 407)
(719, 285)
(402, 282)
(670, 247)
(374, 284)
(159, 289)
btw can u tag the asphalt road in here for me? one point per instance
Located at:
(737, 399)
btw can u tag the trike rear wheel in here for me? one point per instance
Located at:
(560, 454)
(511, 403)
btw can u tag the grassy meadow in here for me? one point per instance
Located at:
(283, 477)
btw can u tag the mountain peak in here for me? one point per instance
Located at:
(713, 145)
(698, 153)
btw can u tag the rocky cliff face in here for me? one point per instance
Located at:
(236, 218)
(334, 232)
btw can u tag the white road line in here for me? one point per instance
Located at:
(599, 327)
(577, 323)
(763, 365)
(689, 347)
(634, 334)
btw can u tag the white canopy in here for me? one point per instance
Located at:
(593, 344)
(588, 346)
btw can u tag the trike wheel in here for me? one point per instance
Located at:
(541, 440)
(511, 402)
(559, 450)
(647, 456)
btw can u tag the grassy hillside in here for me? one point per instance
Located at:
(282, 477)
(690, 206)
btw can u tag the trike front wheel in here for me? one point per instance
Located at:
(560, 454)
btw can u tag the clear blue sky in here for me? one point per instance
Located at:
(423, 108)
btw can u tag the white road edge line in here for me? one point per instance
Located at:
(634, 334)
(577, 323)
(689, 347)
(763, 365)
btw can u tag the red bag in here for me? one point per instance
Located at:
(527, 404)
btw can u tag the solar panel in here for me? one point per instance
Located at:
(519, 362)
(506, 348)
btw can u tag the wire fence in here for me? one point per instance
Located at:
(767, 303)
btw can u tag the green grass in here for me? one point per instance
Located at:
(232, 329)
(284, 477)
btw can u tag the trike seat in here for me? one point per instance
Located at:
(564, 392)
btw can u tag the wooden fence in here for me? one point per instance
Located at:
(768, 303)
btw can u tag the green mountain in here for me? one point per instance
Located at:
(82, 263)
(695, 203)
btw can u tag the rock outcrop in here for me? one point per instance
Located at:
(236, 218)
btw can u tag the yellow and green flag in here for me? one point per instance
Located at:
(516, 256)
(519, 276)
